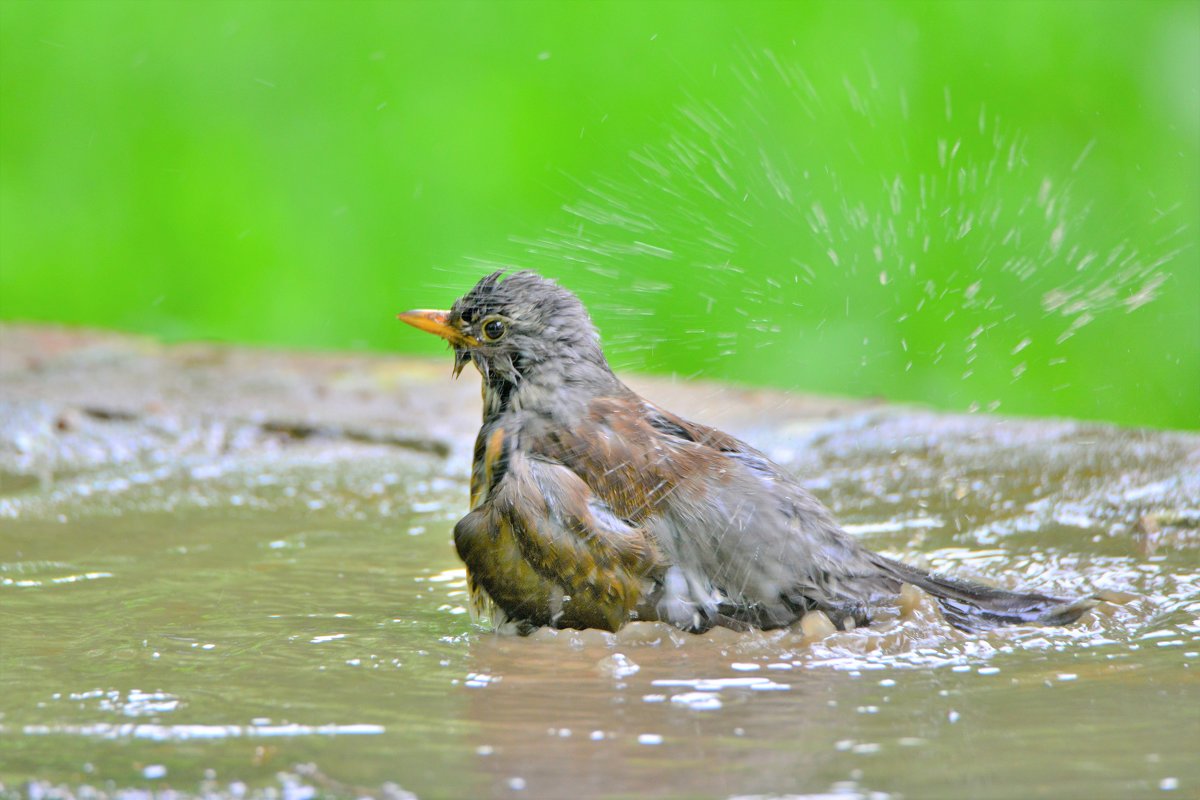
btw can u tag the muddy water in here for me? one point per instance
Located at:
(293, 622)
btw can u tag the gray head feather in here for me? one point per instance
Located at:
(544, 333)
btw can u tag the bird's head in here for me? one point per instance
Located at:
(517, 329)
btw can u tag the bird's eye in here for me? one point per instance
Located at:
(493, 329)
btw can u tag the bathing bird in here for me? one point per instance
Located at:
(591, 506)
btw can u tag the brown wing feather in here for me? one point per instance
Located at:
(632, 460)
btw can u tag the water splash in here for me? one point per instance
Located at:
(797, 228)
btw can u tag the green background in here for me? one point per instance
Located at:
(972, 205)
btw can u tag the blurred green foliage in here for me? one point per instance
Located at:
(968, 204)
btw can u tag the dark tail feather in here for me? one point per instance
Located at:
(972, 606)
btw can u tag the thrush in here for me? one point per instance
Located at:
(591, 506)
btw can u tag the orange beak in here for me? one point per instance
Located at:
(436, 322)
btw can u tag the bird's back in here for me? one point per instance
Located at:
(740, 540)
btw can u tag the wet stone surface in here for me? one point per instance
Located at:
(228, 572)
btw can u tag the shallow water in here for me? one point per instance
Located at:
(293, 622)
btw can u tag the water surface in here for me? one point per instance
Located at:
(294, 621)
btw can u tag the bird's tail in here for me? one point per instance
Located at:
(973, 606)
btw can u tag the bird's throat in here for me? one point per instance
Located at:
(497, 394)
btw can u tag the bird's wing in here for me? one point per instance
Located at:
(744, 535)
(558, 543)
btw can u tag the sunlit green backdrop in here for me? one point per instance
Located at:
(974, 205)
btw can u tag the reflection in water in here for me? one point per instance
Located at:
(654, 731)
(214, 627)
